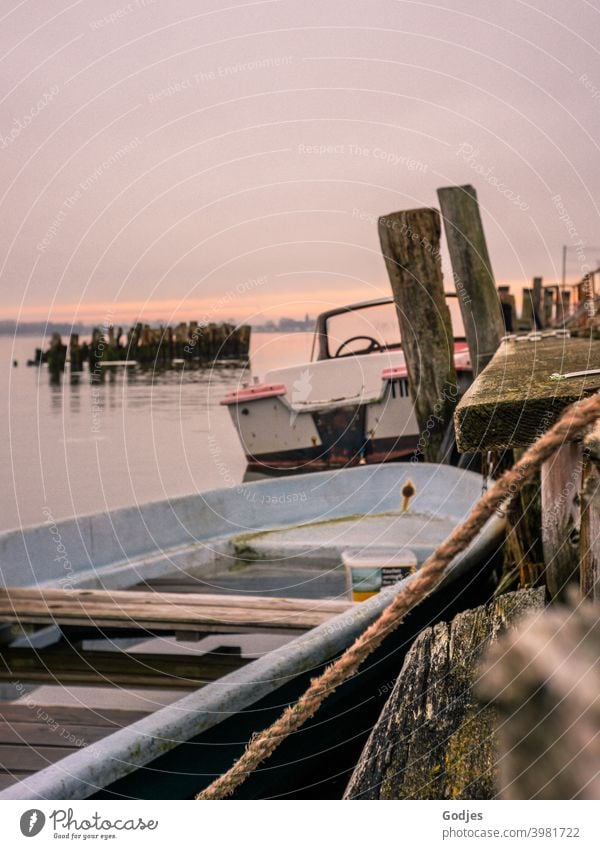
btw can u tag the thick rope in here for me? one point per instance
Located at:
(574, 420)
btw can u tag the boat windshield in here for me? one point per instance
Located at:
(358, 331)
(374, 327)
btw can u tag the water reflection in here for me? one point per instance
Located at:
(134, 435)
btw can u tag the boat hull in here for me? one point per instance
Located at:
(276, 438)
(298, 421)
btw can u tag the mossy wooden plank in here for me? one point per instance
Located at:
(433, 740)
(514, 400)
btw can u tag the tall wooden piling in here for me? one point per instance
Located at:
(473, 275)
(57, 354)
(507, 305)
(75, 355)
(433, 740)
(537, 301)
(548, 303)
(410, 242)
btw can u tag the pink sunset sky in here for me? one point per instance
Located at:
(178, 160)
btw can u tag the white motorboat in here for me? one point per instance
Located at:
(350, 405)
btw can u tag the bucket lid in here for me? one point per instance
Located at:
(373, 557)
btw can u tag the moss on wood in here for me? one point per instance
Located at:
(514, 400)
(433, 740)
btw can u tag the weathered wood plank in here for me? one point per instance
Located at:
(198, 599)
(6, 779)
(410, 241)
(543, 679)
(472, 271)
(167, 626)
(433, 740)
(514, 400)
(33, 736)
(43, 734)
(28, 759)
(26, 710)
(63, 665)
(164, 611)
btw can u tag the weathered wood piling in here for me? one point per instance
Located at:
(433, 739)
(410, 242)
(56, 354)
(472, 272)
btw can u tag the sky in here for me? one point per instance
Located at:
(207, 160)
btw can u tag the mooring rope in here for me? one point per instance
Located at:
(574, 420)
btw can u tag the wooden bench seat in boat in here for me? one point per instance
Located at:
(154, 611)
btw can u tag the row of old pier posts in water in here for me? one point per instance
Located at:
(547, 306)
(192, 344)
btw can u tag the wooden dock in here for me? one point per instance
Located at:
(522, 391)
(165, 612)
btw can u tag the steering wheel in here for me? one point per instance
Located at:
(373, 346)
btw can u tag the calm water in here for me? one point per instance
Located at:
(77, 448)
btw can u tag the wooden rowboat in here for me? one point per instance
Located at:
(262, 561)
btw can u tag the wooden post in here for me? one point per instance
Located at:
(410, 242)
(433, 740)
(562, 305)
(537, 301)
(74, 352)
(548, 304)
(527, 320)
(473, 275)
(506, 306)
(57, 354)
